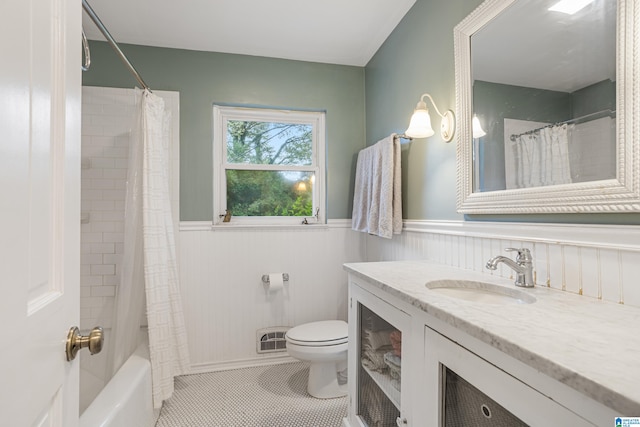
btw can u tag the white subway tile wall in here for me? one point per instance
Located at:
(107, 117)
(105, 135)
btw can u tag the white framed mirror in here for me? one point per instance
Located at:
(553, 93)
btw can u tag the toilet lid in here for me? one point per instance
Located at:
(326, 332)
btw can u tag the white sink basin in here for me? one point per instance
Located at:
(487, 293)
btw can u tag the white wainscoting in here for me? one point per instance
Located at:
(596, 261)
(226, 302)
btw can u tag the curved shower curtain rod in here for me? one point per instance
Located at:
(87, 8)
(582, 119)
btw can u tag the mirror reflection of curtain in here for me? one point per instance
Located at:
(541, 158)
(592, 150)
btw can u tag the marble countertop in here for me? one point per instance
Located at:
(590, 345)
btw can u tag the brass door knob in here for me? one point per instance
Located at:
(76, 342)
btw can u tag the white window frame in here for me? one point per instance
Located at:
(221, 116)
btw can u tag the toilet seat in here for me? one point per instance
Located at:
(319, 334)
(317, 343)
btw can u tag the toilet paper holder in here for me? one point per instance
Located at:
(265, 278)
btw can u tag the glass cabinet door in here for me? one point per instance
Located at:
(380, 368)
(380, 361)
(465, 405)
(463, 389)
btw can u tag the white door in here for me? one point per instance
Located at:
(40, 58)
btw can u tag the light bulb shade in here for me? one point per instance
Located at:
(420, 125)
(477, 130)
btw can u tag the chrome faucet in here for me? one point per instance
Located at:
(523, 266)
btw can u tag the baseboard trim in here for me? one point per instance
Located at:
(202, 368)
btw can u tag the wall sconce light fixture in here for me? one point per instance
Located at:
(420, 124)
(476, 128)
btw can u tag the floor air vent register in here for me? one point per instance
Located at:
(271, 340)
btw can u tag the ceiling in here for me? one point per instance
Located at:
(527, 45)
(347, 32)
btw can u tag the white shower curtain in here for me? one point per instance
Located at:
(130, 299)
(542, 157)
(149, 265)
(167, 332)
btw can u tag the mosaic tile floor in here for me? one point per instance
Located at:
(266, 396)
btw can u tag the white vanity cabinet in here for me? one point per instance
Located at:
(462, 389)
(380, 361)
(447, 377)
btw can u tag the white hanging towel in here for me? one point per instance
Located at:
(377, 195)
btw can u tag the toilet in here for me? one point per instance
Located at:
(324, 345)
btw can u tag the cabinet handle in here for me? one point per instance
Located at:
(401, 422)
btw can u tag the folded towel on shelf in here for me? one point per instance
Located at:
(396, 342)
(374, 359)
(377, 339)
(377, 195)
(392, 360)
(394, 365)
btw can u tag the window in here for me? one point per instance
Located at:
(268, 165)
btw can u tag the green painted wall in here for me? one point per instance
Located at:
(597, 97)
(205, 78)
(418, 57)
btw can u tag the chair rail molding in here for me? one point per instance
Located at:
(619, 237)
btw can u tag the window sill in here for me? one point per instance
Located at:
(298, 227)
(186, 226)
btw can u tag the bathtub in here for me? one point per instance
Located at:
(126, 399)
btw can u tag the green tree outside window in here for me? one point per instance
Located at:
(267, 192)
